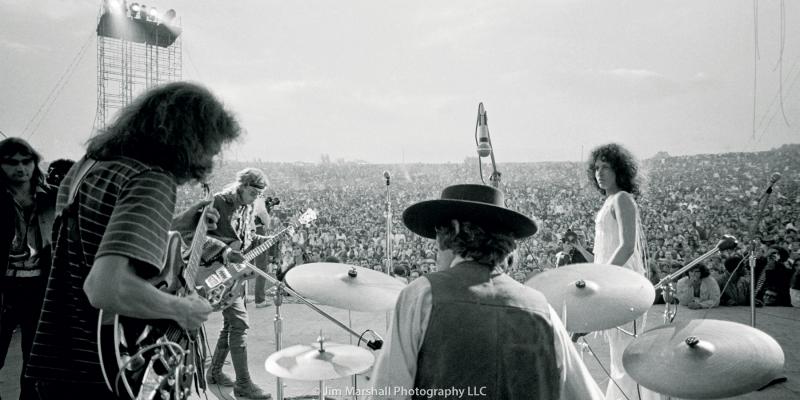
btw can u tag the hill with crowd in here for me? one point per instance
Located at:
(687, 204)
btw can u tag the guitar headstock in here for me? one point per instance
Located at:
(307, 217)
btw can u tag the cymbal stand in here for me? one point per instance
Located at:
(374, 344)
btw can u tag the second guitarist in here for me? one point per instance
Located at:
(235, 232)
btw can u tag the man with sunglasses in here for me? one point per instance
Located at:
(236, 231)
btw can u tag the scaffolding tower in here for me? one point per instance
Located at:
(136, 50)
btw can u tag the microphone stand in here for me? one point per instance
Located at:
(494, 179)
(762, 203)
(388, 235)
(727, 242)
(374, 344)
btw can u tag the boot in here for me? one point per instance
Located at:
(245, 387)
(215, 376)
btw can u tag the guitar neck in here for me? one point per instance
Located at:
(196, 248)
(256, 251)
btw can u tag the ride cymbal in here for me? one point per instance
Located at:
(345, 286)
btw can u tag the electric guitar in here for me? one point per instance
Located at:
(147, 359)
(221, 284)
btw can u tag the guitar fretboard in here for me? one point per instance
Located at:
(196, 249)
(256, 251)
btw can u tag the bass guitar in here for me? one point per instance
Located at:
(221, 284)
(149, 359)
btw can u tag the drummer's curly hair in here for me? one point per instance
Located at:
(471, 241)
(622, 162)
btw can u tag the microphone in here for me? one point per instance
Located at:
(376, 343)
(387, 177)
(772, 179)
(768, 190)
(484, 146)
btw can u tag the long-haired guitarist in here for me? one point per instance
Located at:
(235, 232)
(114, 209)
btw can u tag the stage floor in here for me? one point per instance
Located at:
(301, 325)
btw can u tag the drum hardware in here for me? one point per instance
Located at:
(319, 362)
(375, 344)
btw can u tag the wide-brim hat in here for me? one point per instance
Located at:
(479, 204)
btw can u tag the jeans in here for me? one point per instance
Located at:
(235, 325)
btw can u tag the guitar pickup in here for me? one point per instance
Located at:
(239, 267)
(217, 278)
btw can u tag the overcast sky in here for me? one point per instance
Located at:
(392, 81)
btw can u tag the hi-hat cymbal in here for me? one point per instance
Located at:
(308, 363)
(704, 359)
(345, 286)
(596, 296)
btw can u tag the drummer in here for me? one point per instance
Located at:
(469, 327)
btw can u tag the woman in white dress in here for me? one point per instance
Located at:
(619, 240)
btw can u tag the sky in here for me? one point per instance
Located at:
(400, 81)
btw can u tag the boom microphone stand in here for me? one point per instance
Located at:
(728, 242)
(374, 344)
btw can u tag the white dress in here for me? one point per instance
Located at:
(606, 240)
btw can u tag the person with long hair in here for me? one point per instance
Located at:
(619, 240)
(27, 206)
(698, 289)
(113, 213)
(235, 233)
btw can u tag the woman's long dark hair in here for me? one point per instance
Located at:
(622, 162)
(178, 126)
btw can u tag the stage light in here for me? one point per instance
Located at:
(135, 7)
(113, 6)
(143, 13)
(153, 13)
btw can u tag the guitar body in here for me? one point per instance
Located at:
(148, 359)
(221, 284)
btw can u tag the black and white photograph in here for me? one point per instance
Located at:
(260, 199)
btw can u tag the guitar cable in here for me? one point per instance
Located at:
(181, 354)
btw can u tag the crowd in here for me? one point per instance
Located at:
(687, 204)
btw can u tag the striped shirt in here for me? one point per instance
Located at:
(124, 207)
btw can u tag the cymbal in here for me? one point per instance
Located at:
(596, 296)
(704, 359)
(308, 363)
(345, 286)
